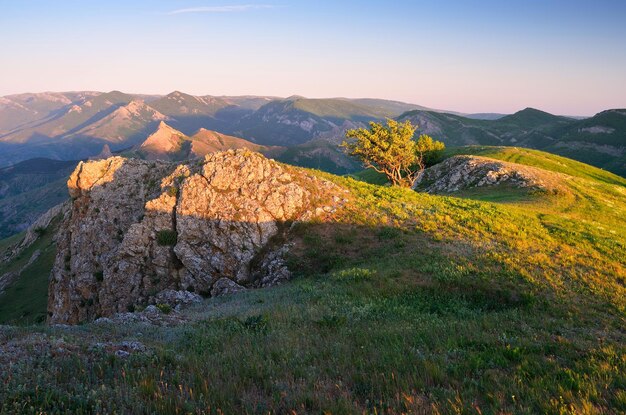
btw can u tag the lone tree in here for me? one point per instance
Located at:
(391, 150)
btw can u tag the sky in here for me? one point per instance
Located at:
(564, 57)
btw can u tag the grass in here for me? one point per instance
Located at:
(407, 303)
(10, 241)
(371, 176)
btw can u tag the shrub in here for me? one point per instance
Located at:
(99, 275)
(391, 150)
(167, 237)
(173, 191)
(353, 274)
(165, 308)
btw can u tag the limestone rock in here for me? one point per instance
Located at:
(139, 229)
(466, 172)
(225, 286)
(177, 299)
(273, 270)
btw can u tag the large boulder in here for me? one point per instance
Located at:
(139, 228)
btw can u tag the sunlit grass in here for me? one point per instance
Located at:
(407, 303)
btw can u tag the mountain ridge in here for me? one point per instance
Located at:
(77, 125)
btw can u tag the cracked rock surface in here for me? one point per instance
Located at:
(140, 230)
(466, 172)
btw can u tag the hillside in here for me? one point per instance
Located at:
(24, 273)
(400, 302)
(30, 188)
(127, 124)
(319, 154)
(189, 113)
(205, 141)
(28, 109)
(297, 120)
(164, 143)
(599, 140)
(543, 160)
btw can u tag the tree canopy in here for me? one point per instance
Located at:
(391, 150)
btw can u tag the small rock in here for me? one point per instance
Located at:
(225, 286)
(134, 346)
(177, 298)
(151, 309)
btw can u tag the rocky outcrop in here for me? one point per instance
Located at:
(213, 226)
(466, 172)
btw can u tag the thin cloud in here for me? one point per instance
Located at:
(223, 9)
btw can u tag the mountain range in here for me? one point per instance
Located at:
(599, 140)
(78, 125)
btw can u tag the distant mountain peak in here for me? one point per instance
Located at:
(619, 111)
(531, 110)
(177, 95)
(164, 140)
(530, 117)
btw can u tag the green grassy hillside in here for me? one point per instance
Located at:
(406, 303)
(24, 301)
(599, 140)
(607, 127)
(541, 159)
(28, 189)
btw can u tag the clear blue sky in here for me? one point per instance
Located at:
(566, 57)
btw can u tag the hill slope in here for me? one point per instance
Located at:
(401, 302)
(28, 189)
(599, 140)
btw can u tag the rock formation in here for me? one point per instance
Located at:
(466, 172)
(210, 226)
